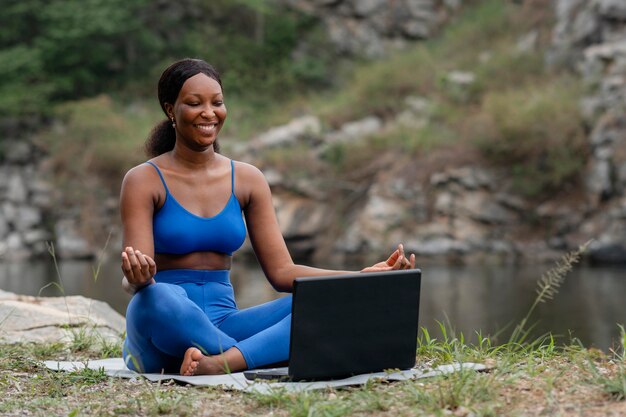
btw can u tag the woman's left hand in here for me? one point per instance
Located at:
(397, 260)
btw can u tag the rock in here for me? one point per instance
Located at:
(612, 253)
(612, 9)
(356, 130)
(307, 127)
(415, 29)
(53, 319)
(4, 227)
(17, 191)
(528, 42)
(598, 180)
(461, 78)
(36, 235)
(298, 216)
(370, 28)
(436, 247)
(469, 177)
(418, 105)
(27, 218)
(69, 242)
(621, 176)
(19, 152)
(364, 8)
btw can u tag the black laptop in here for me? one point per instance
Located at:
(346, 325)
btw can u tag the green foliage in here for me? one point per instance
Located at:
(97, 137)
(537, 131)
(59, 50)
(65, 49)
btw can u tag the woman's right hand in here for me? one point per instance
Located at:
(137, 268)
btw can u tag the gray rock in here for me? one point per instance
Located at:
(27, 218)
(299, 216)
(4, 227)
(460, 78)
(54, 319)
(36, 235)
(356, 130)
(612, 9)
(584, 27)
(621, 175)
(9, 212)
(17, 191)
(606, 52)
(598, 180)
(421, 9)
(418, 105)
(14, 242)
(437, 247)
(306, 127)
(528, 42)
(416, 29)
(470, 178)
(481, 206)
(364, 8)
(453, 4)
(606, 252)
(19, 152)
(69, 242)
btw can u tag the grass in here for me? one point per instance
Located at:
(538, 381)
(525, 377)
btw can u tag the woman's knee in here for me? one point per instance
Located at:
(155, 298)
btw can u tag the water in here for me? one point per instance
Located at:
(588, 306)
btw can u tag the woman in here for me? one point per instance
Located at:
(182, 218)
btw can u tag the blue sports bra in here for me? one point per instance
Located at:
(178, 231)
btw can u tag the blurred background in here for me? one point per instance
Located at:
(489, 136)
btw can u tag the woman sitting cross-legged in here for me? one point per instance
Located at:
(183, 218)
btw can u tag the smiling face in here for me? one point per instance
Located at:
(199, 112)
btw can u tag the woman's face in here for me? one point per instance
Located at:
(199, 111)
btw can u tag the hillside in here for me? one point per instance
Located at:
(496, 139)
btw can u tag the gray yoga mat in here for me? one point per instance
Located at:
(115, 367)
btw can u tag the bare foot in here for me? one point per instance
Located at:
(190, 361)
(196, 363)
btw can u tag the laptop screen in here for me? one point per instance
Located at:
(344, 325)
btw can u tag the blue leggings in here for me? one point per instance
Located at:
(188, 308)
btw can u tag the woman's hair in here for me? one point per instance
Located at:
(163, 136)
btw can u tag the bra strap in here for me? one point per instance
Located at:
(232, 175)
(160, 175)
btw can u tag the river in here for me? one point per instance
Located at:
(588, 306)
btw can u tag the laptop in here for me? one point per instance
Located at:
(344, 325)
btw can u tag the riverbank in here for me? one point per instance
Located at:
(526, 376)
(524, 380)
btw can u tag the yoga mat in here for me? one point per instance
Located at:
(115, 367)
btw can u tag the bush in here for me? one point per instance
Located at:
(97, 138)
(537, 131)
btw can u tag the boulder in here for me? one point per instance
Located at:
(306, 127)
(56, 319)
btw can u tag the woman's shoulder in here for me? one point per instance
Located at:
(248, 171)
(141, 173)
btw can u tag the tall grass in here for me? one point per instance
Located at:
(547, 287)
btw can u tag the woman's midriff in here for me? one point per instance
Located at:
(194, 260)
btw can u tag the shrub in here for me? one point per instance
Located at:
(537, 131)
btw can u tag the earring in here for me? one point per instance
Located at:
(173, 123)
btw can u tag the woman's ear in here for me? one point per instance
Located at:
(169, 110)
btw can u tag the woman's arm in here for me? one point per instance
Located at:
(269, 244)
(137, 201)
